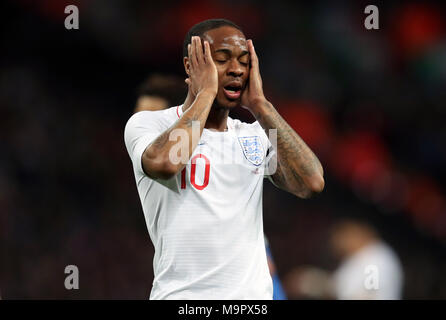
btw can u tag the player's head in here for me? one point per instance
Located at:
(350, 235)
(159, 92)
(229, 51)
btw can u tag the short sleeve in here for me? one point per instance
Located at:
(141, 129)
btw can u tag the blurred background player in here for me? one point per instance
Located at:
(362, 251)
(363, 255)
(161, 91)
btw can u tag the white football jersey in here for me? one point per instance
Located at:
(373, 273)
(206, 222)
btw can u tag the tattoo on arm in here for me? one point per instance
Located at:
(295, 159)
(281, 179)
(161, 140)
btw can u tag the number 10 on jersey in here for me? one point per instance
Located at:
(193, 169)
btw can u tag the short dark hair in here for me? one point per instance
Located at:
(200, 28)
(170, 87)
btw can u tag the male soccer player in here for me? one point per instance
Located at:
(158, 92)
(204, 215)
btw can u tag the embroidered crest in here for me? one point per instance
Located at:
(252, 149)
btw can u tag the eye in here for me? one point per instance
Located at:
(244, 61)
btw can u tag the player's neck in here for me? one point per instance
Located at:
(217, 118)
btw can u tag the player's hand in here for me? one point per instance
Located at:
(203, 74)
(253, 94)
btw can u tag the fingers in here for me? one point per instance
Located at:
(192, 60)
(196, 53)
(198, 50)
(207, 52)
(192, 51)
(253, 55)
(255, 77)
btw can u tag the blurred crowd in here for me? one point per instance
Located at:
(370, 103)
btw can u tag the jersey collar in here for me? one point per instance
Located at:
(179, 112)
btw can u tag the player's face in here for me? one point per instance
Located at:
(230, 53)
(344, 239)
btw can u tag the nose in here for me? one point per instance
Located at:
(235, 68)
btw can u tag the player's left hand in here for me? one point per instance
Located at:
(253, 96)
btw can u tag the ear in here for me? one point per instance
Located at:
(186, 64)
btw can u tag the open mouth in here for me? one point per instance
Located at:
(233, 91)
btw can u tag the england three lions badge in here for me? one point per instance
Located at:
(252, 149)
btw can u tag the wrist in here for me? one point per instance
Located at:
(259, 105)
(208, 93)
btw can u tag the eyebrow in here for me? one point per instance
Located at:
(229, 52)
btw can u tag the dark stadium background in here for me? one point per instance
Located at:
(372, 104)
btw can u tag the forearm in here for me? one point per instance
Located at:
(170, 151)
(298, 166)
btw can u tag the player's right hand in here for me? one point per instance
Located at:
(203, 76)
